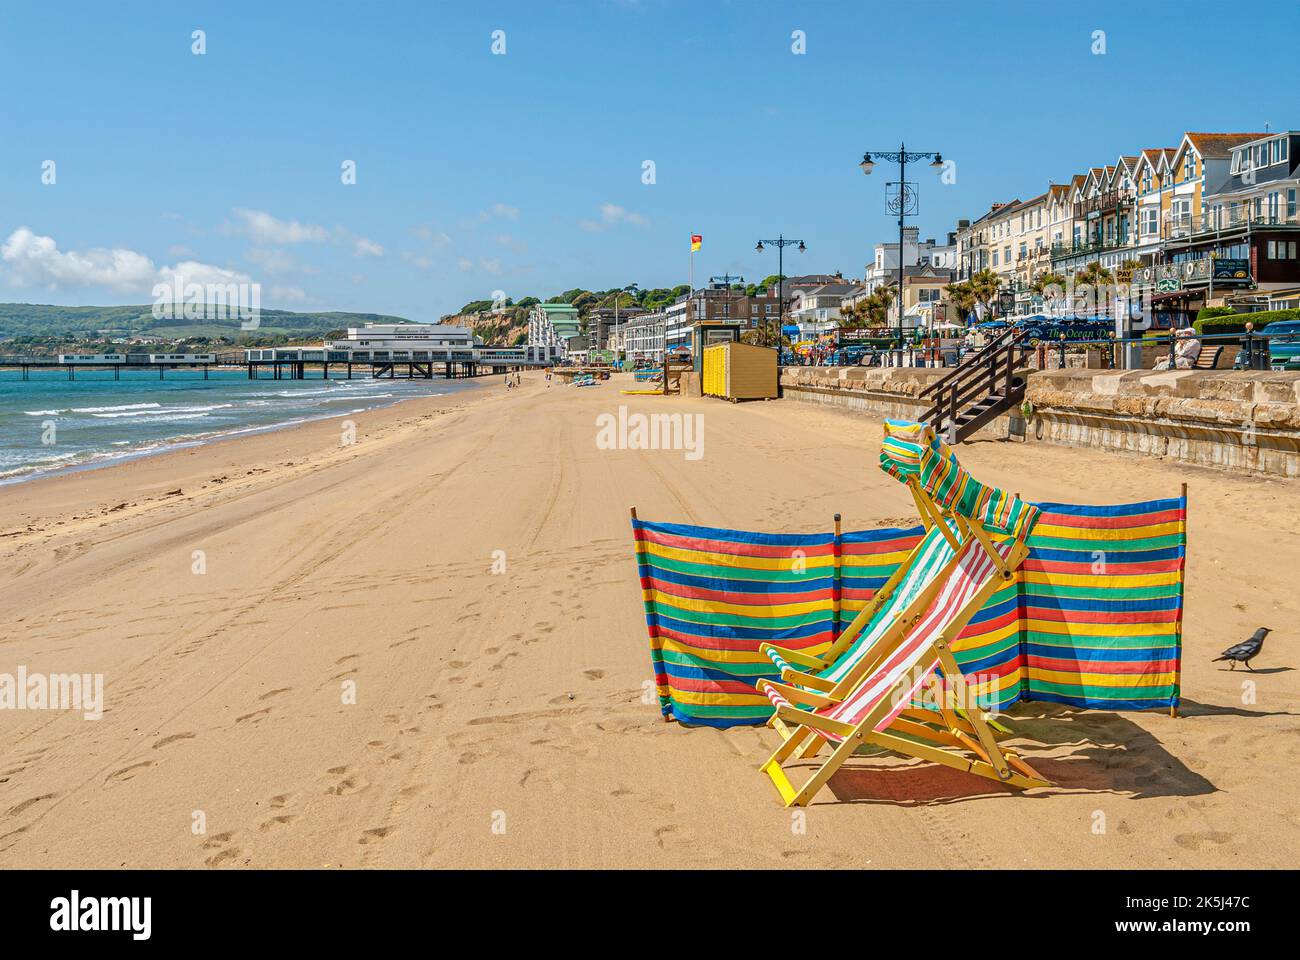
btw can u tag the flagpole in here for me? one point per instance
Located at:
(692, 276)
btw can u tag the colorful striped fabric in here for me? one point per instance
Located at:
(911, 451)
(1093, 618)
(712, 597)
(1101, 604)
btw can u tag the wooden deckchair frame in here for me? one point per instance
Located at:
(912, 733)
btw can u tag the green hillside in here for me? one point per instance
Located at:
(86, 323)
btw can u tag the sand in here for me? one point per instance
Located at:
(499, 718)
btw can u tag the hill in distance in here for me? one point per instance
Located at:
(24, 320)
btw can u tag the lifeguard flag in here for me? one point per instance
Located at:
(696, 240)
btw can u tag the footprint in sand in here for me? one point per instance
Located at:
(126, 773)
(349, 784)
(350, 656)
(19, 808)
(283, 820)
(593, 674)
(374, 834)
(173, 738)
(255, 716)
(1199, 841)
(273, 693)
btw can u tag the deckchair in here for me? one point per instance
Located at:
(903, 648)
(913, 454)
(877, 712)
(913, 582)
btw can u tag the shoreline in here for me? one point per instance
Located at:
(103, 459)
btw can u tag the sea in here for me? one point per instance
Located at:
(51, 424)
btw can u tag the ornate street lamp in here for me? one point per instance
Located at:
(780, 243)
(902, 203)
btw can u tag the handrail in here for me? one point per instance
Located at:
(972, 360)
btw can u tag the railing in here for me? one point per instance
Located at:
(990, 372)
(1062, 250)
(1234, 217)
(1110, 200)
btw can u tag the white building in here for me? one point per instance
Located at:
(817, 311)
(643, 337)
(883, 270)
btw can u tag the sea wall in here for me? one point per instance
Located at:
(1239, 420)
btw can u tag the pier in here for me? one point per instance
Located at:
(281, 363)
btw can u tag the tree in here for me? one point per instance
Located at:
(984, 287)
(962, 297)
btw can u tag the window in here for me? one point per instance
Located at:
(1290, 203)
(995, 258)
(1151, 221)
(1273, 199)
(1024, 251)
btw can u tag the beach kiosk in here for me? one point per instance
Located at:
(740, 371)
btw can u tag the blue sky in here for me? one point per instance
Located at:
(522, 172)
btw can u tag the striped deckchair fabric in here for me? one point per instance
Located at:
(911, 451)
(1101, 602)
(713, 596)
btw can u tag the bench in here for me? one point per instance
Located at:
(1208, 358)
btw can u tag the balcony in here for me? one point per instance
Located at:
(1062, 251)
(1102, 203)
(1240, 216)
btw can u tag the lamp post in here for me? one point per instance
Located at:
(780, 243)
(903, 203)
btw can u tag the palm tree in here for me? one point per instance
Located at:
(984, 287)
(962, 297)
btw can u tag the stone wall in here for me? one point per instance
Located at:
(1241, 420)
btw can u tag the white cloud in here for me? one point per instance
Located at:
(421, 261)
(367, 248)
(33, 260)
(612, 214)
(37, 261)
(264, 228)
(435, 237)
(501, 210)
(191, 271)
(465, 263)
(288, 294)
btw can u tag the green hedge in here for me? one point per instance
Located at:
(1236, 322)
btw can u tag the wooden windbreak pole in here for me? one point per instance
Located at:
(1182, 586)
(652, 619)
(836, 583)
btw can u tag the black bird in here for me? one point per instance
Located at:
(1245, 651)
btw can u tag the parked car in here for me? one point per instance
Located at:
(1284, 352)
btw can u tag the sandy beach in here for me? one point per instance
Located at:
(499, 718)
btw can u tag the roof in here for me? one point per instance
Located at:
(558, 307)
(1216, 145)
(831, 289)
